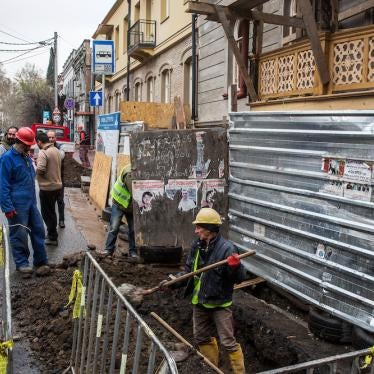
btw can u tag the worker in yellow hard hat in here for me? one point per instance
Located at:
(212, 290)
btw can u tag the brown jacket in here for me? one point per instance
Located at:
(48, 168)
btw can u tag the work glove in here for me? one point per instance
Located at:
(162, 286)
(10, 214)
(233, 261)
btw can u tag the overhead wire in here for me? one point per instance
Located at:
(16, 37)
(25, 58)
(31, 43)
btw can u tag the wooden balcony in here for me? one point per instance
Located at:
(291, 70)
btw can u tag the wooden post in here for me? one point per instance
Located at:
(234, 98)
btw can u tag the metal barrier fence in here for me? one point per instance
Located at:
(6, 317)
(352, 363)
(109, 335)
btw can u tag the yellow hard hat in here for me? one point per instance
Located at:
(208, 215)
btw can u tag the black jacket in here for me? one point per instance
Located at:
(217, 285)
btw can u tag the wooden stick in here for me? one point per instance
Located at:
(250, 282)
(189, 275)
(183, 340)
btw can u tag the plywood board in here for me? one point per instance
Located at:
(122, 161)
(100, 179)
(154, 115)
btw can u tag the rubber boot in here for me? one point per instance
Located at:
(210, 351)
(237, 361)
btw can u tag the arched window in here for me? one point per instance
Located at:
(138, 91)
(150, 88)
(165, 85)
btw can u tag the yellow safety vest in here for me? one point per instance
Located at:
(120, 192)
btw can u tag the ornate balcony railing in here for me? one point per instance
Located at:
(142, 35)
(291, 71)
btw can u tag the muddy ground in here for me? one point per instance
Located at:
(269, 338)
(72, 172)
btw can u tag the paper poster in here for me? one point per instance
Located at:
(357, 171)
(145, 191)
(210, 190)
(200, 169)
(357, 191)
(335, 167)
(333, 188)
(188, 190)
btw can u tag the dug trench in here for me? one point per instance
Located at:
(271, 336)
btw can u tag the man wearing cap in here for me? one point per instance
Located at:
(212, 290)
(18, 202)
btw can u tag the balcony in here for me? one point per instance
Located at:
(291, 71)
(142, 39)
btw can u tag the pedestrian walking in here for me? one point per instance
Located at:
(60, 198)
(211, 292)
(8, 140)
(48, 173)
(18, 202)
(121, 206)
(84, 145)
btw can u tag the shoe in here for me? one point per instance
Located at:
(51, 242)
(104, 253)
(25, 269)
(43, 270)
(133, 254)
(62, 224)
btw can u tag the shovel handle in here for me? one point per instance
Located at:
(198, 271)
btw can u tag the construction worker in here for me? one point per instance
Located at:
(18, 202)
(9, 140)
(212, 291)
(84, 145)
(122, 206)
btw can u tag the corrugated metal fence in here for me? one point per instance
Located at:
(301, 196)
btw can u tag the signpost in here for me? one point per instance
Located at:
(96, 98)
(56, 116)
(46, 115)
(69, 103)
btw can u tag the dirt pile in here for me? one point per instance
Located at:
(72, 172)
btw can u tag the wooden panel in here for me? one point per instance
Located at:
(206, 51)
(122, 161)
(212, 84)
(100, 179)
(154, 115)
(211, 72)
(212, 95)
(212, 111)
(215, 58)
(211, 36)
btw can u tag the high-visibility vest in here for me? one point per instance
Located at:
(120, 193)
(197, 284)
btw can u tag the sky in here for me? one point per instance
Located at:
(30, 21)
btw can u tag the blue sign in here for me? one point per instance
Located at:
(69, 103)
(96, 98)
(109, 121)
(103, 57)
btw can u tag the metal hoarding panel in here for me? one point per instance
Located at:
(173, 173)
(301, 195)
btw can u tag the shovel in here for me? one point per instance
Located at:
(193, 273)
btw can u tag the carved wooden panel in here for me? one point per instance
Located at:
(305, 70)
(371, 60)
(286, 73)
(268, 77)
(348, 60)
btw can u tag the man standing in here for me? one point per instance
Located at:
(212, 291)
(60, 199)
(122, 206)
(9, 140)
(48, 172)
(18, 202)
(84, 145)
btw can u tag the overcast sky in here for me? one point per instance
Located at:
(37, 20)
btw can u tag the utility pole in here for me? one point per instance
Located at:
(55, 68)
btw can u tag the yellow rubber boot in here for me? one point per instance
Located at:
(237, 361)
(210, 351)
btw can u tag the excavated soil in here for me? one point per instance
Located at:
(72, 172)
(268, 338)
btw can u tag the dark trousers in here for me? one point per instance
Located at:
(48, 200)
(61, 205)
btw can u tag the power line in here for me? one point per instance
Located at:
(25, 58)
(16, 37)
(43, 42)
(23, 50)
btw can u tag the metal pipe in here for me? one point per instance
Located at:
(194, 65)
(128, 44)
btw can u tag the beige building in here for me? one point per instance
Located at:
(158, 43)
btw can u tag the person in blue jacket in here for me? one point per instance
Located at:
(18, 202)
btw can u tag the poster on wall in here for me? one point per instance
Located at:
(145, 191)
(210, 190)
(357, 191)
(357, 171)
(188, 190)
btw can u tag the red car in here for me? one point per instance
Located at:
(62, 132)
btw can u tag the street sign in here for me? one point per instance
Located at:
(69, 103)
(96, 98)
(56, 116)
(109, 121)
(103, 57)
(46, 116)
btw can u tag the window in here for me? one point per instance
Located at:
(137, 92)
(116, 41)
(290, 10)
(165, 9)
(125, 30)
(165, 86)
(110, 104)
(117, 101)
(150, 89)
(187, 83)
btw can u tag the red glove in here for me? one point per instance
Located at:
(10, 214)
(233, 260)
